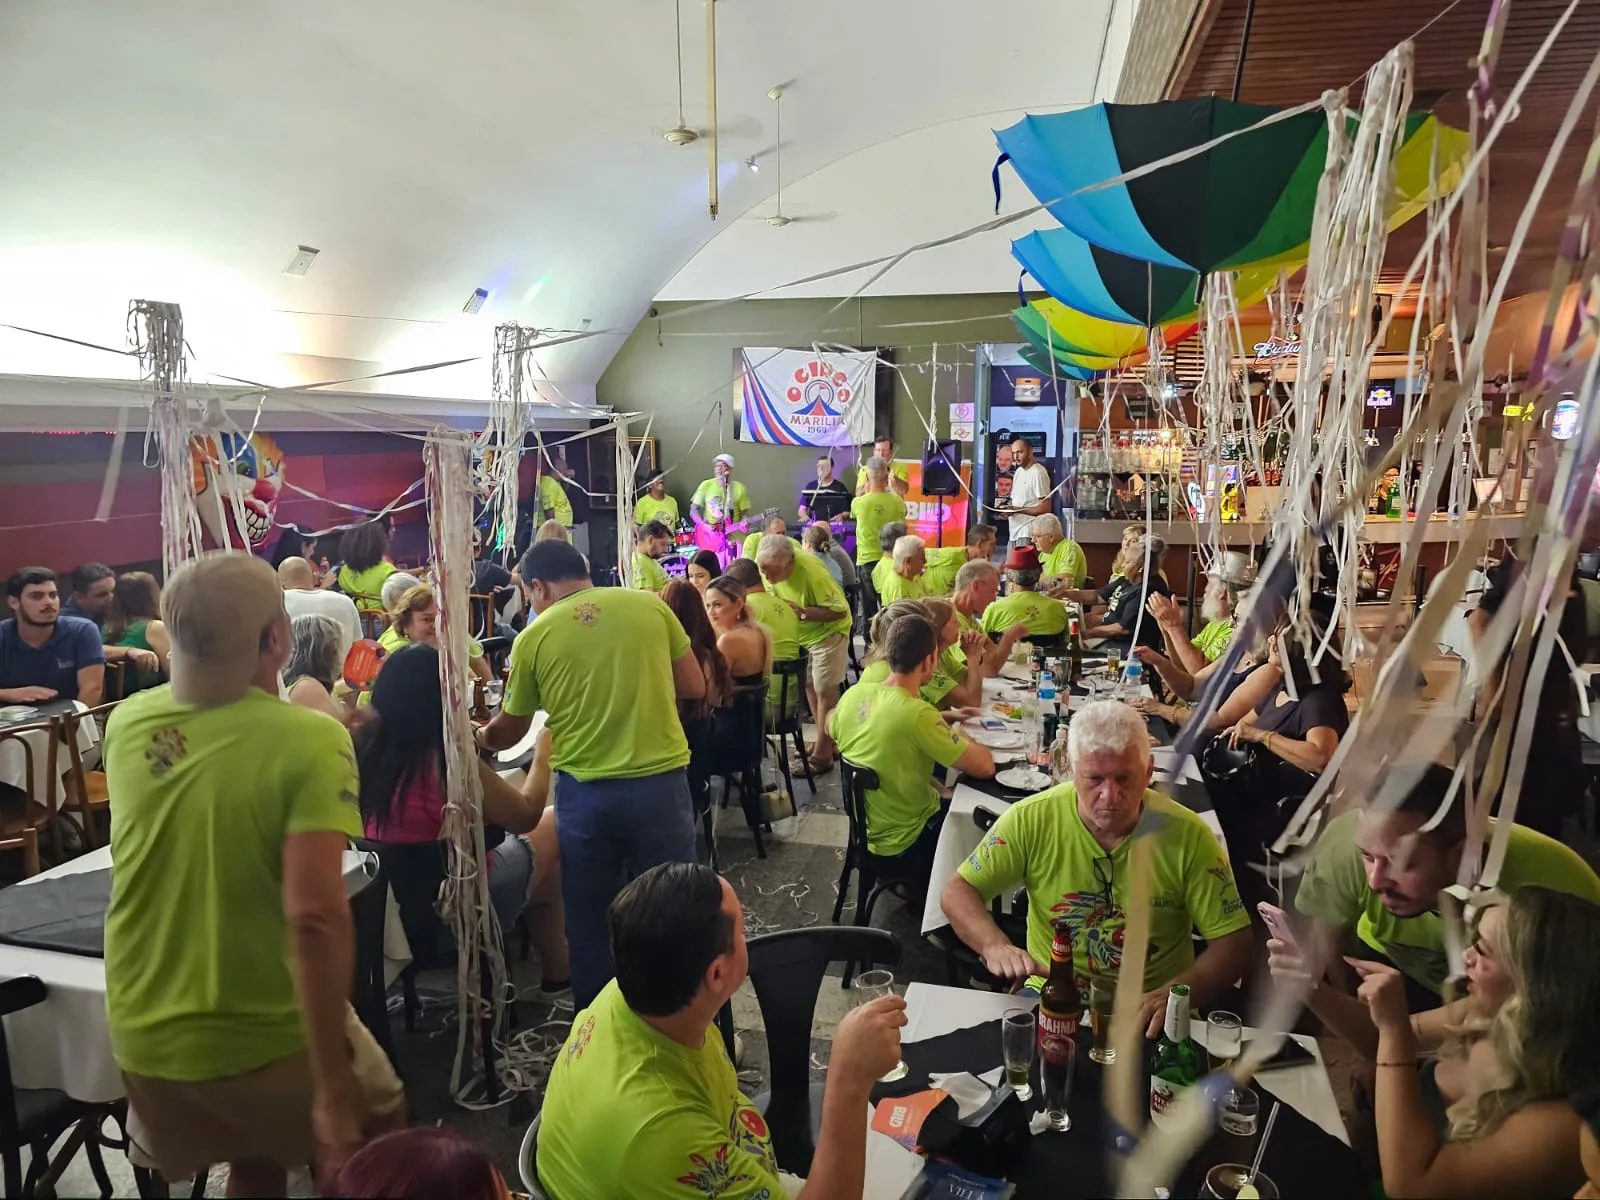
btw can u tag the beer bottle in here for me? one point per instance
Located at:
(1060, 1012)
(1176, 1065)
(1074, 650)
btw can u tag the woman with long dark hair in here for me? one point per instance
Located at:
(294, 542)
(696, 715)
(400, 754)
(704, 566)
(135, 622)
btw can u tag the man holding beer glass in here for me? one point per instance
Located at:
(1070, 847)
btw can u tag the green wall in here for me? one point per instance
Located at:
(679, 368)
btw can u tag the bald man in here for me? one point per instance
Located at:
(301, 597)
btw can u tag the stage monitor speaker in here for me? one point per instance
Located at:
(941, 469)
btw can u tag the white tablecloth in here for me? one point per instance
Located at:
(932, 1011)
(14, 760)
(959, 837)
(64, 1043)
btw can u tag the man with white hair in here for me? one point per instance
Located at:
(884, 567)
(1126, 595)
(904, 580)
(1071, 847)
(303, 598)
(801, 581)
(977, 585)
(1060, 558)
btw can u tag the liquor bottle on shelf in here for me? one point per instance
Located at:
(1176, 1065)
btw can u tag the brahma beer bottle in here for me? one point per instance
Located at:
(1176, 1066)
(1060, 1013)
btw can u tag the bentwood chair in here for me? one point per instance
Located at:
(86, 789)
(786, 970)
(369, 611)
(875, 875)
(783, 718)
(115, 682)
(737, 742)
(22, 816)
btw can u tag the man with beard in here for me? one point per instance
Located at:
(45, 655)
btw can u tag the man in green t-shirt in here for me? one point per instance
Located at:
(904, 578)
(872, 510)
(552, 499)
(1374, 884)
(1061, 559)
(643, 1100)
(977, 585)
(897, 475)
(608, 666)
(752, 540)
(890, 728)
(656, 505)
(944, 561)
(1024, 603)
(801, 581)
(781, 623)
(1072, 848)
(228, 942)
(655, 539)
(721, 498)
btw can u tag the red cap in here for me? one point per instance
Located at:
(1023, 558)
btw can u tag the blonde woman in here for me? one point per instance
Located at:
(415, 618)
(552, 531)
(1510, 1055)
(957, 686)
(745, 643)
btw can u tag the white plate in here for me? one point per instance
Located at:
(999, 709)
(1024, 779)
(1015, 754)
(997, 739)
(1016, 671)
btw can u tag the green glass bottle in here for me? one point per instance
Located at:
(1176, 1066)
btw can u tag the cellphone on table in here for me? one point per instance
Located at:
(1290, 1054)
(992, 723)
(1277, 923)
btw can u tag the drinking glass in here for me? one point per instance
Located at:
(1016, 1047)
(869, 986)
(1241, 1115)
(1224, 1038)
(1102, 1002)
(1057, 1064)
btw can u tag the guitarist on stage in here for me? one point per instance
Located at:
(720, 499)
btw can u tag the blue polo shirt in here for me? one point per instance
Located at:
(74, 644)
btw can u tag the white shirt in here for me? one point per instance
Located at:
(327, 604)
(1029, 485)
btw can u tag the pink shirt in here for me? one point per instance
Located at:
(417, 815)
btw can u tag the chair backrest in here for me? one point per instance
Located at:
(528, 1162)
(497, 650)
(856, 782)
(115, 682)
(790, 674)
(19, 734)
(369, 908)
(480, 609)
(23, 991)
(738, 731)
(786, 970)
(984, 819)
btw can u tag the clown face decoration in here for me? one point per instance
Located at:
(251, 466)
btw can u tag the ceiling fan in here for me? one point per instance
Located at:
(778, 218)
(680, 134)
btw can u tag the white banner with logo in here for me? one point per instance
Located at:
(805, 398)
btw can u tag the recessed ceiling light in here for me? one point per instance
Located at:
(304, 256)
(475, 301)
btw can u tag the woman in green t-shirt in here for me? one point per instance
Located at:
(366, 565)
(135, 622)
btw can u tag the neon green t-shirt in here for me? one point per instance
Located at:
(1334, 891)
(1212, 640)
(708, 498)
(630, 1112)
(366, 587)
(897, 470)
(901, 738)
(897, 587)
(784, 627)
(934, 691)
(553, 499)
(751, 541)
(1043, 616)
(943, 562)
(810, 586)
(198, 984)
(881, 570)
(647, 508)
(1066, 559)
(599, 661)
(871, 513)
(391, 639)
(648, 574)
(1041, 843)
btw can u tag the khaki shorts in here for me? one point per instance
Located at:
(829, 659)
(185, 1126)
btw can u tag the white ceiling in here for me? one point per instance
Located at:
(180, 149)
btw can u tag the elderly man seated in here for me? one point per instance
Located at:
(977, 586)
(904, 580)
(1024, 603)
(944, 561)
(643, 1100)
(1189, 659)
(884, 567)
(1126, 595)
(776, 526)
(890, 728)
(1071, 847)
(1060, 558)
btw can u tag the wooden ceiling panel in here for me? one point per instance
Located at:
(1296, 51)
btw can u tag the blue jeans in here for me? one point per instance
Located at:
(609, 831)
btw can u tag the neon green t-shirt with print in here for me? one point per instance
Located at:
(1042, 844)
(939, 576)
(871, 512)
(1042, 615)
(1066, 559)
(718, 504)
(897, 470)
(647, 508)
(1334, 891)
(934, 691)
(648, 574)
(198, 983)
(553, 499)
(599, 661)
(780, 621)
(1213, 639)
(881, 570)
(366, 587)
(630, 1112)
(810, 586)
(900, 737)
(897, 587)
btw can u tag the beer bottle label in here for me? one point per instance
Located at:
(1057, 1036)
(1164, 1096)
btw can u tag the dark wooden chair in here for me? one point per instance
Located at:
(783, 718)
(86, 789)
(21, 816)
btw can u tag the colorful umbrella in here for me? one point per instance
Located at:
(1049, 324)
(1040, 360)
(1248, 200)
